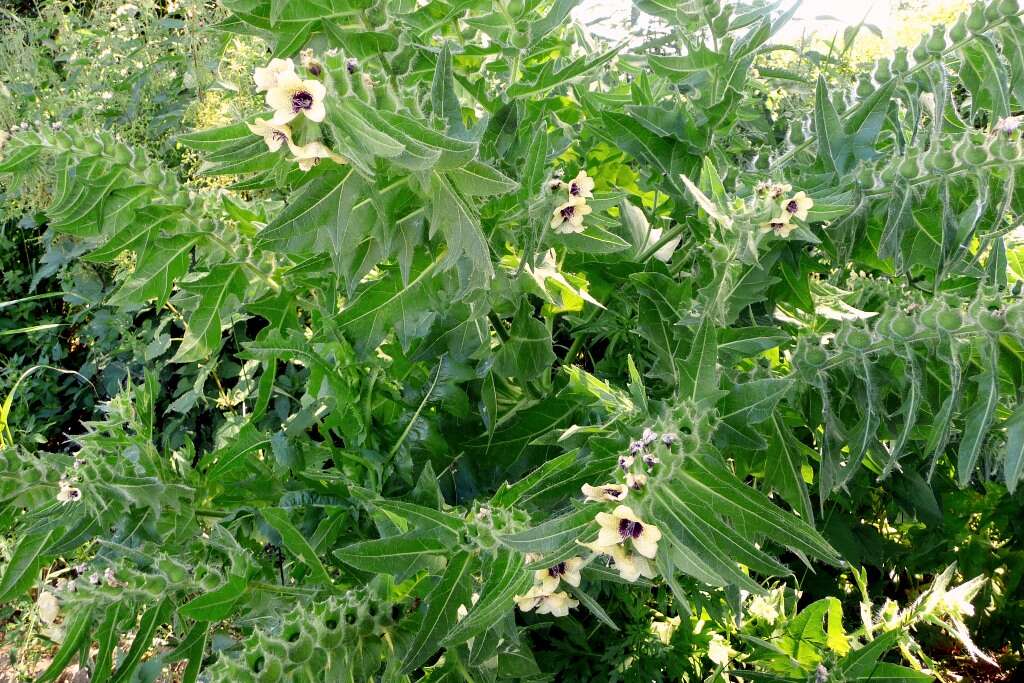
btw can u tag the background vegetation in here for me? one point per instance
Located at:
(302, 438)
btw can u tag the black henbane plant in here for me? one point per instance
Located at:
(499, 332)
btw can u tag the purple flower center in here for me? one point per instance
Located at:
(567, 213)
(301, 100)
(574, 189)
(792, 206)
(630, 529)
(612, 493)
(279, 136)
(557, 570)
(351, 66)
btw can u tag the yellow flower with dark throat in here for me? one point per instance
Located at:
(274, 136)
(293, 97)
(799, 205)
(310, 154)
(557, 604)
(636, 481)
(621, 525)
(544, 602)
(68, 493)
(530, 599)
(629, 566)
(568, 218)
(604, 493)
(568, 571)
(780, 225)
(581, 186)
(268, 76)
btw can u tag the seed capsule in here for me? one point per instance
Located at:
(959, 31)
(976, 22)
(858, 339)
(937, 42)
(903, 326)
(909, 168)
(900, 63)
(882, 73)
(992, 320)
(921, 51)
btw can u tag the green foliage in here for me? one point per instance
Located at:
(377, 354)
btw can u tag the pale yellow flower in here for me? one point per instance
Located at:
(268, 76)
(557, 604)
(530, 599)
(581, 186)
(664, 628)
(604, 493)
(763, 608)
(798, 205)
(568, 218)
(568, 571)
(68, 493)
(310, 154)
(545, 602)
(48, 607)
(623, 524)
(780, 225)
(636, 481)
(630, 567)
(274, 136)
(719, 651)
(293, 96)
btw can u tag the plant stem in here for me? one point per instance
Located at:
(669, 235)
(416, 415)
(570, 355)
(498, 326)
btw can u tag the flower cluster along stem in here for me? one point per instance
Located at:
(811, 139)
(932, 177)
(842, 358)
